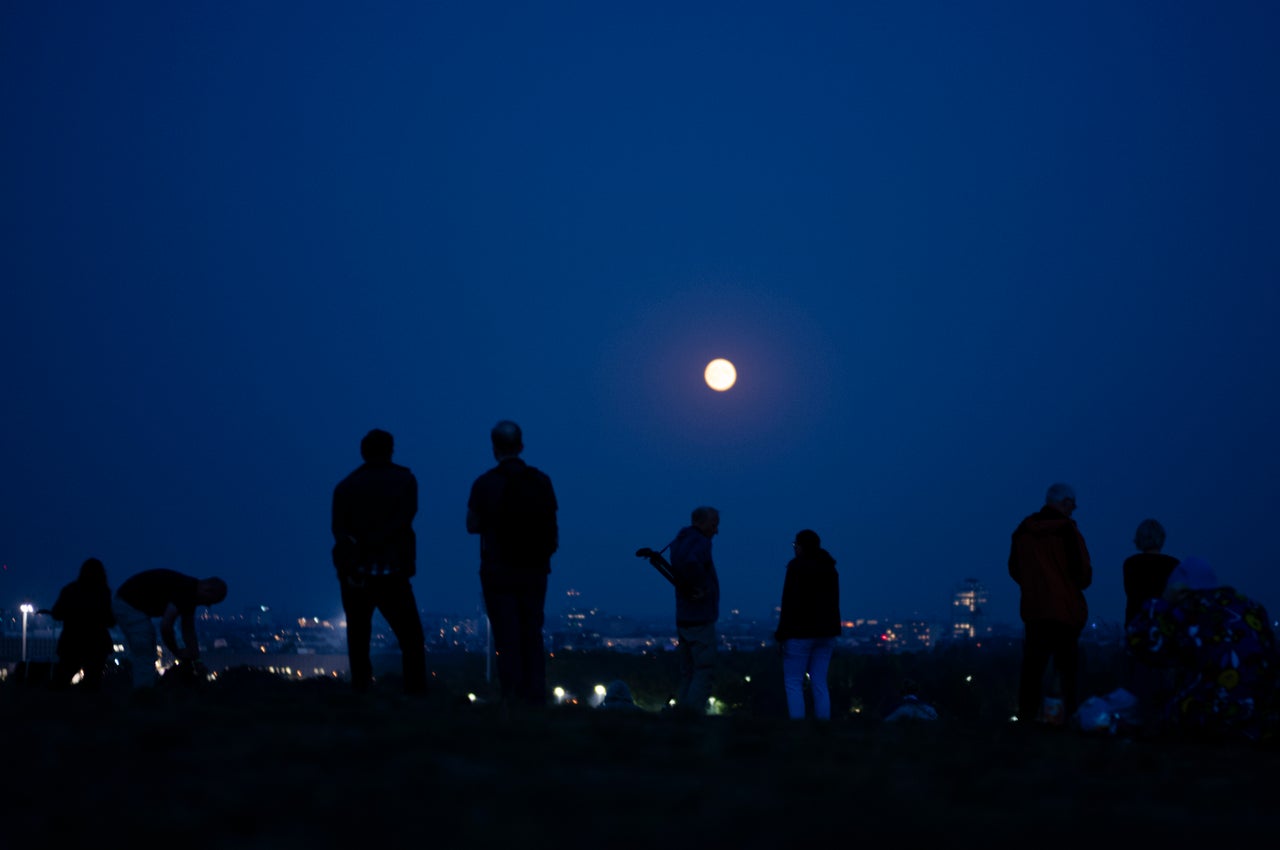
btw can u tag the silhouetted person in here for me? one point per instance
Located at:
(808, 624)
(84, 609)
(911, 708)
(375, 554)
(697, 590)
(617, 698)
(1222, 653)
(1145, 575)
(513, 508)
(1050, 562)
(171, 596)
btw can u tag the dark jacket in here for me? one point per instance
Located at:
(373, 511)
(1050, 562)
(485, 510)
(84, 609)
(1145, 575)
(810, 598)
(697, 585)
(153, 591)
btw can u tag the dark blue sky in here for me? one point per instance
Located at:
(957, 252)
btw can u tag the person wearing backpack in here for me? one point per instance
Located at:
(513, 509)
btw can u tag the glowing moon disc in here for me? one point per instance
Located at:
(720, 374)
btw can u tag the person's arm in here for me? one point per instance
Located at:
(339, 521)
(59, 609)
(407, 504)
(781, 633)
(555, 509)
(1152, 634)
(690, 564)
(168, 634)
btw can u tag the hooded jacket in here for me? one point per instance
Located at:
(810, 598)
(1050, 562)
(697, 585)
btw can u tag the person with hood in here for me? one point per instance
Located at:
(697, 607)
(1221, 649)
(808, 624)
(618, 698)
(1050, 562)
(84, 609)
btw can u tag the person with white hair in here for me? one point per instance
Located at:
(1050, 562)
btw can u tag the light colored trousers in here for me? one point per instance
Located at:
(810, 656)
(697, 666)
(139, 639)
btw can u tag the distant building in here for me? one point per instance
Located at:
(968, 610)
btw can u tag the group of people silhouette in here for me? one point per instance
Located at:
(88, 611)
(1201, 656)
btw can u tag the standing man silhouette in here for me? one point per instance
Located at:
(1050, 562)
(375, 554)
(513, 509)
(697, 607)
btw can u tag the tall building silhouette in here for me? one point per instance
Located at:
(968, 610)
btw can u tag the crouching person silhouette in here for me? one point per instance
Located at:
(171, 596)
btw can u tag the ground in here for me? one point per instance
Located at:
(252, 761)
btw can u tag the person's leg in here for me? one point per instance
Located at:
(533, 657)
(819, 662)
(139, 640)
(795, 659)
(684, 646)
(1066, 660)
(94, 666)
(357, 603)
(702, 655)
(396, 601)
(502, 610)
(1036, 650)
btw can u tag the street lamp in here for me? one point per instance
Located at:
(26, 608)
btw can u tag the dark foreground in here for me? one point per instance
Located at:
(252, 761)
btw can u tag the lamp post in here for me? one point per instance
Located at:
(26, 609)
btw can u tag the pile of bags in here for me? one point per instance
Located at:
(1116, 712)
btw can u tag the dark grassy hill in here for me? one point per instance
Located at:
(254, 761)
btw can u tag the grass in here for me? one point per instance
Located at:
(252, 761)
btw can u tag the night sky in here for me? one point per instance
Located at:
(956, 251)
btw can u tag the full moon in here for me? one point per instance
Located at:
(720, 374)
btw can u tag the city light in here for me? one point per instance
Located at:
(26, 608)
